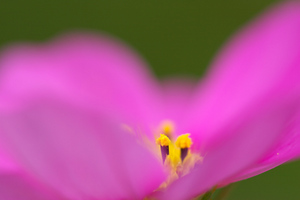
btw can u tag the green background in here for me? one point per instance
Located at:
(175, 37)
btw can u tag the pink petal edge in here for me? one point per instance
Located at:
(86, 70)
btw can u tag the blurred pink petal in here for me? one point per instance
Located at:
(285, 149)
(85, 70)
(53, 98)
(78, 116)
(258, 67)
(247, 144)
(80, 154)
(237, 117)
(16, 186)
(177, 97)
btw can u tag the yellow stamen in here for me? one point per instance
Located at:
(183, 141)
(180, 160)
(163, 140)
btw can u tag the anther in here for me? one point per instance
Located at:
(184, 142)
(164, 143)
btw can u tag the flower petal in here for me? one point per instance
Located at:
(286, 149)
(234, 154)
(6, 163)
(82, 154)
(16, 186)
(177, 95)
(91, 71)
(247, 102)
(259, 66)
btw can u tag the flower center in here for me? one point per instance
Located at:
(176, 154)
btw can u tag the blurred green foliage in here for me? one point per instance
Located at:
(175, 37)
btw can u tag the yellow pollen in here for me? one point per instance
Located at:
(163, 140)
(183, 141)
(180, 160)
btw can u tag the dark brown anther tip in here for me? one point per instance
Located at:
(164, 152)
(183, 153)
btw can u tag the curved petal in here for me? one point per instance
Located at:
(79, 153)
(258, 67)
(236, 153)
(286, 149)
(90, 71)
(247, 103)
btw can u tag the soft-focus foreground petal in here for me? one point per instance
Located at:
(78, 153)
(92, 71)
(248, 101)
(6, 163)
(16, 185)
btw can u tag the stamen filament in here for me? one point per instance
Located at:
(176, 155)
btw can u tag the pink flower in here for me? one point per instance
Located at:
(79, 117)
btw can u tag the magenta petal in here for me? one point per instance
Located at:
(247, 103)
(285, 149)
(6, 162)
(177, 94)
(15, 186)
(247, 144)
(91, 71)
(79, 153)
(259, 66)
